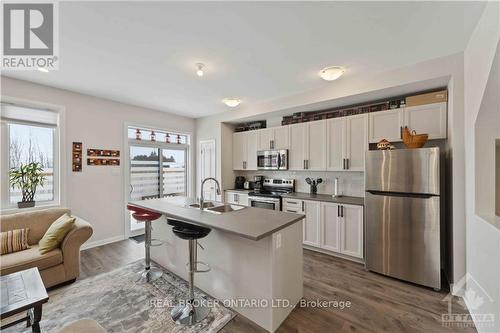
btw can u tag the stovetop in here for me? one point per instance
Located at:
(275, 188)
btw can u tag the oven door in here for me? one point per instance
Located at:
(268, 160)
(266, 203)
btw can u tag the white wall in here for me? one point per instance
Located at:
(483, 236)
(359, 88)
(97, 193)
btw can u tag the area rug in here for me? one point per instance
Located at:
(119, 304)
(139, 238)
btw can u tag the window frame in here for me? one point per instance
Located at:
(58, 154)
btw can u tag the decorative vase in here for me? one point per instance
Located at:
(25, 204)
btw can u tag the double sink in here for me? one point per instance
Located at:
(217, 209)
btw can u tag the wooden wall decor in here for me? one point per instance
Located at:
(103, 153)
(103, 161)
(77, 156)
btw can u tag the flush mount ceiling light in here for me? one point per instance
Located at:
(199, 69)
(43, 69)
(231, 102)
(331, 73)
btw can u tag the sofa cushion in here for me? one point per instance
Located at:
(14, 240)
(18, 261)
(56, 233)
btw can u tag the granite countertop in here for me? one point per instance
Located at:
(346, 200)
(249, 222)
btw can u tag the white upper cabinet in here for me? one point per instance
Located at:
(347, 142)
(429, 118)
(273, 138)
(356, 142)
(252, 141)
(335, 144)
(311, 226)
(281, 139)
(245, 150)
(298, 143)
(316, 146)
(386, 125)
(266, 136)
(239, 150)
(351, 231)
(330, 227)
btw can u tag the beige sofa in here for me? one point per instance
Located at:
(57, 266)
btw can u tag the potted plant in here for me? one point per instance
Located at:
(27, 177)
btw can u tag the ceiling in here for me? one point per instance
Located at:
(145, 53)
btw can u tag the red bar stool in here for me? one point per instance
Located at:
(143, 215)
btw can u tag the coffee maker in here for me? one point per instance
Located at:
(258, 182)
(239, 183)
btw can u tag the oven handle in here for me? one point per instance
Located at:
(264, 200)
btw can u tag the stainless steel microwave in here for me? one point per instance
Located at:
(272, 159)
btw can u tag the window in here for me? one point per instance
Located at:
(29, 135)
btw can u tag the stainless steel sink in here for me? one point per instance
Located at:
(207, 204)
(224, 209)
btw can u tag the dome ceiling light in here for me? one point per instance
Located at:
(331, 73)
(231, 102)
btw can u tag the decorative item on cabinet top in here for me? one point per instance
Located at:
(384, 145)
(254, 125)
(77, 156)
(413, 140)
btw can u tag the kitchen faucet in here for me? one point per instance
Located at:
(202, 199)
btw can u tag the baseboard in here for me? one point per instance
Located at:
(333, 254)
(102, 242)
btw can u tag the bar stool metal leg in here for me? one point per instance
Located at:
(149, 273)
(195, 310)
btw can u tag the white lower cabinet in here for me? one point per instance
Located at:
(236, 198)
(330, 226)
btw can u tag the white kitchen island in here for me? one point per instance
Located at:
(255, 256)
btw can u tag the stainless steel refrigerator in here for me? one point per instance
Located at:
(403, 214)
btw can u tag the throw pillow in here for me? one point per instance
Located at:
(14, 240)
(56, 233)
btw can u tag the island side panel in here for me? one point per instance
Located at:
(241, 268)
(287, 270)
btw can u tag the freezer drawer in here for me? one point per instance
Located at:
(403, 170)
(402, 237)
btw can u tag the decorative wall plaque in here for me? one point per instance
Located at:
(103, 153)
(103, 161)
(77, 156)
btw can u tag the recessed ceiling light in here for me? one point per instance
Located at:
(199, 69)
(331, 73)
(231, 102)
(43, 69)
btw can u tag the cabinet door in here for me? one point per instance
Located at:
(386, 125)
(335, 144)
(281, 137)
(251, 157)
(239, 150)
(298, 141)
(356, 142)
(266, 135)
(429, 118)
(351, 231)
(330, 230)
(312, 210)
(316, 146)
(242, 199)
(231, 198)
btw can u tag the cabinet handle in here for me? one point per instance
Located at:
(343, 164)
(304, 164)
(303, 207)
(338, 211)
(401, 132)
(307, 164)
(341, 211)
(347, 163)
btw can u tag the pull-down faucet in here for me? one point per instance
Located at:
(202, 199)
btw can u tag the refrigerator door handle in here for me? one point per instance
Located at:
(398, 194)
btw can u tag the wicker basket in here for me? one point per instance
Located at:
(414, 140)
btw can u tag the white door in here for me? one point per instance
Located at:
(351, 234)
(335, 144)
(311, 227)
(207, 167)
(239, 150)
(330, 230)
(316, 144)
(252, 142)
(356, 143)
(281, 137)
(298, 141)
(386, 125)
(265, 137)
(429, 118)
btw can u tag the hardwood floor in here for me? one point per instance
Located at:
(378, 303)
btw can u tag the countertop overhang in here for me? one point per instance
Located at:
(249, 222)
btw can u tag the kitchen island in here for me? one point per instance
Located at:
(255, 256)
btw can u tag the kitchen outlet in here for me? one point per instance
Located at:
(278, 241)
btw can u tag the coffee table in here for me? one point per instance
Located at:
(23, 291)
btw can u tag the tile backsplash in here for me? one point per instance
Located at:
(350, 183)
